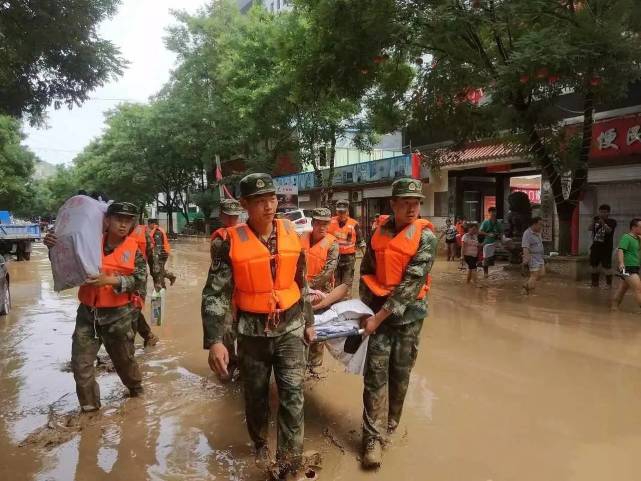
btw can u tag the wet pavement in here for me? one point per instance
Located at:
(506, 387)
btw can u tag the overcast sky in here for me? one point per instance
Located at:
(138, 30)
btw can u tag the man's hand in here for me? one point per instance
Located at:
(50, 240)
(370, 324)
(103, 280)
(219, 360)
(310, 334)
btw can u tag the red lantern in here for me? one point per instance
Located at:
(542, 73)
(524, 79)
(377, 59)
(476, 3)
(595, 81)
(364, 71)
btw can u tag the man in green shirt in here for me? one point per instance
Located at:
(628, 259)
(492, 230)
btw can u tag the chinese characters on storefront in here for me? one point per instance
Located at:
(617, 137)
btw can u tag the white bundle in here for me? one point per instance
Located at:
(78, 250)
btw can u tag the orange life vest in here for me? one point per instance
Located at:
(316, 254)
(220, 232)
(345, 235)
(255, 290)
(120, 262)
(392, 256)
(165, 240)
(141, 239)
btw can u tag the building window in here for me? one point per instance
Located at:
(441, 204)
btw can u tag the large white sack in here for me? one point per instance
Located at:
(78, 251)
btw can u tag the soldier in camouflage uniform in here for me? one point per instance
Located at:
(323, 280)
(348, 233)
(141, 232)
(266, 341)
(161, 246)
(111, 326)
(399, 300)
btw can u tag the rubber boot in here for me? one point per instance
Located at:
(608, 280)
(595, 280)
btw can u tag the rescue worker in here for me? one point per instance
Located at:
(146, 247)
(394, 284)
(163, 249)
(321, 249)
(230, 210)
(348, 233)
(109, 308)
(263, 265)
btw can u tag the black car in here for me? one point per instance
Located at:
(5, 295)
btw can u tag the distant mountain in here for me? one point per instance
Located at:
(43, 170)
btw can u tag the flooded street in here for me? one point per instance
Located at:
(506, 387)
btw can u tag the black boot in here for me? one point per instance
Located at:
(608, 280)
(595, 280)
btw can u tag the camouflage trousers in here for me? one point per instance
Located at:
(315, 354)
(286, 356)
(344, 273)
(142, 327)
(118, 338)
(391, 354)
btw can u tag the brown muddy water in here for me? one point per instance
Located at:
(506, 387)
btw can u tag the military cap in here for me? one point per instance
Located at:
(256, 184)
(122, 208)
(342, 205)
(230, 207)
(322, 214)
(407, 187)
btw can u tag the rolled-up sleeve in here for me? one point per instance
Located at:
(136, 281)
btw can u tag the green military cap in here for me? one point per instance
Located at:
(407, 187)
(230, 207)
(122, 208)
(322, 214)
(256, 184)
(342, 205)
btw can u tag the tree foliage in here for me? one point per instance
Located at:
(523, 54)
(51, 53)
(16, 165)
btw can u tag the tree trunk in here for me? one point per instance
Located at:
(565, 211)
(332, 159)
(170, 213)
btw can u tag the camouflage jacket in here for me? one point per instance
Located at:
(135, 283)
(152, 262)
(324, 280)
(217, 294)
(158, 244)
(402, 302)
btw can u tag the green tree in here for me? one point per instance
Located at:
(16, 164)
(52, 53)
(524, 54)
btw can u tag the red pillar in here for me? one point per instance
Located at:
(574, 226)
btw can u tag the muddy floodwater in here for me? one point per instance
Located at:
(506, 387)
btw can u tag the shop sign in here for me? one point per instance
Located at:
(617, 137)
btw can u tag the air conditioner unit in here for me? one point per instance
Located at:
(356, 196)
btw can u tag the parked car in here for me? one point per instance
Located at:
(5, 294)
(301, 218)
